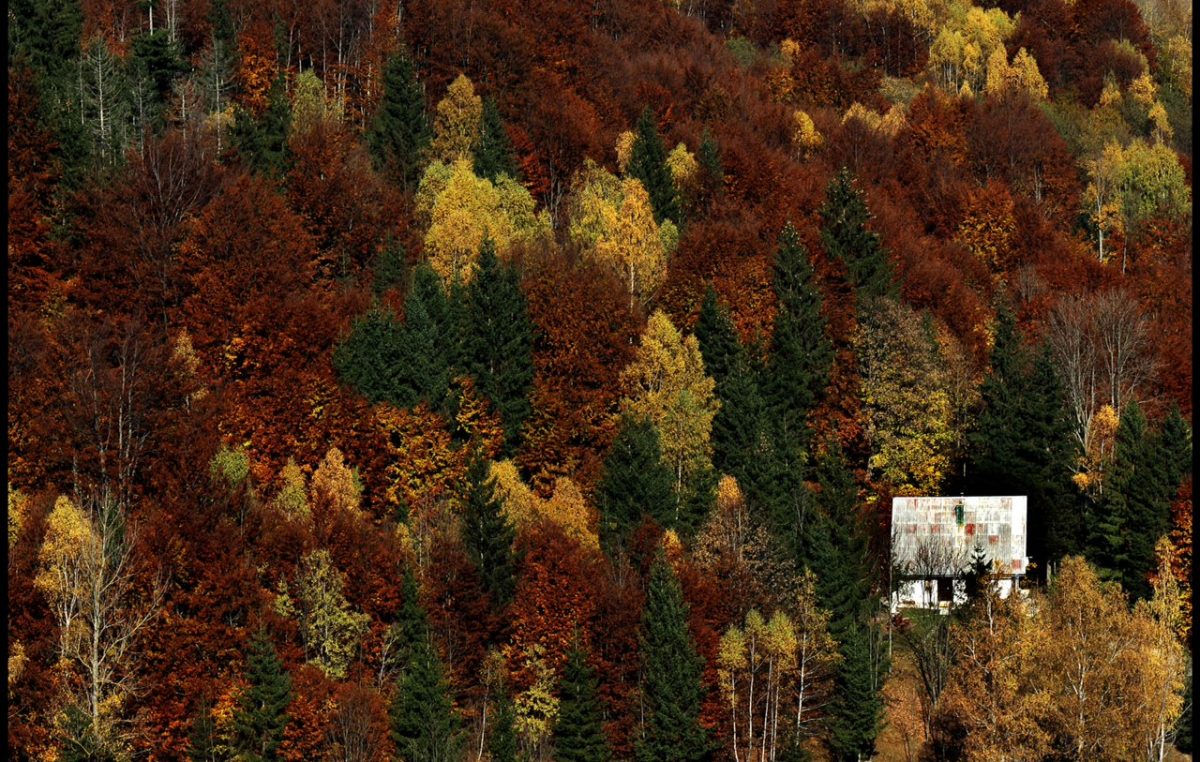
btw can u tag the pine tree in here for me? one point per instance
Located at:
(400, 133)
(412, 624)
(486, 532)
(845, 236)
(494, 152)
(391, 267)
(671, 673)
(502, 740)
(648, 163)
(718, 338)
(1175, 444)
(428, 333)
(202, 739)
(424, 726)
(370, 358)
(712, 173)
(497, 347)
(857, 708)
(157, 61)
(801, 354)
(739, 425)
(262, 141)
(261, 716)
(634, 483)
(579, 731)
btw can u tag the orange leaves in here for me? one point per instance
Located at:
(422, 466)
(257, 67)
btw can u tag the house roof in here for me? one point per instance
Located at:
(930, 539)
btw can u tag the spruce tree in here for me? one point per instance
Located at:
(634, 483)
(262, 140)
(370, 358)
(486, 532)
(202, 740)
(424, 726)
(502, 740)
(671, 674)
(427, 335)
(648, 163)
(391, 267)
(400, 132)
(1175, 446)
(718, 338)
(712, 173)
(857, 709)
(261, 716)
(579, 731)
(494, 153)
(801, 354)
(845, 236)
(739, 425)
(157, 61)
(497, 347)
(412, 624)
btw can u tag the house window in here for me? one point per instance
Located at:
(945, 588)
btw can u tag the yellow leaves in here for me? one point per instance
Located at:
(1176, 60)
(232, 465)
(805, 137)
(666, 383)
(310, 106)
(624, 149)
(889, 124)
(461, 209)
(1101, 441)
(292, 499)
(69, 536)
(566, 507)
(1160, 123)
(965, 45)
(1110, 96)
(988, 227)
(683, 166)
(16, 514)
(16, 664)
(1022, 75)
(336, 484)
(457, 122)
(789, 49)
(536, 709)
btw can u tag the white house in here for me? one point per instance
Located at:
(935, 538)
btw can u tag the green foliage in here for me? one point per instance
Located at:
(1183, 728)
(634, 483)
(487, 534)
(400, 133)
(845, 236)
(157, 62)
(648, 163)
(331, 630)
(424, 726)
(718, 338)
(202, 740)
(263, 141)
(370, 358)
(801, 355)
(494, 152)
(857, 710)
(497, 344)
(711, 169)
(79, 740)
(671, 673)
(579, 731)
(1021, 443)
(45, 34)
(230, 465)
(502, 739)
(261, 716)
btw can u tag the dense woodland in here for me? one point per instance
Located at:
(496, 380)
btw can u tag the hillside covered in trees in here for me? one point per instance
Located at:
(504, 380)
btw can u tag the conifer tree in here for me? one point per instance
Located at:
(671, 673)
(370, 358)
(202, 739)
(857, 707)
(157, 62)
(502, 740)
(400, 133)
(648, 163)
(391, 267)
(634, 483)
(486, 532)
(412, 624)
(718, 338)
(497, 347)
(739, 425)
(1175, 444)
(579, 730)
(261, 716)
(712, 173)
(494, 152)
(262, 140)
(801, 355)
(424, 726)
(845, 236)
(428, 333)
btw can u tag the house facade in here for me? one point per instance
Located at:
(935, 540)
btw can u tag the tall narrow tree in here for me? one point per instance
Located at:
(262, 713)
(648, 163)
(845, 236)
(579, 730)
(486, 532)
(718, 338)
(400, 133)
(671, 673)
(634, 483)
(494, 152)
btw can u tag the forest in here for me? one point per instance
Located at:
(447, 380)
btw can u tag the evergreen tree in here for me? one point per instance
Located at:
(486, 532)
(1175, 445)
(391, 267)
(400, 133)
(424, 726)
(739, 425)
(157, 62)
(412, 624)
(497, 347)
(370, 358)
(801, 355)
(502, 740)
(202, 739)
(857, 709)
(579, 731)
(45, 35)
(718, 338)
(494, 152)
(1021, 443)
(428, 333)
(261, 716)
(845, 236)
(78, 739)
(262, 141)
(634, 483)
(712, 173)
(671, 673)
(648, 163)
